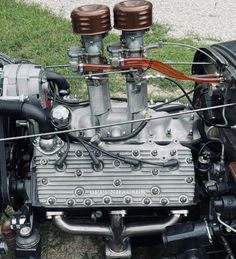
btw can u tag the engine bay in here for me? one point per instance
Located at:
(120, 167)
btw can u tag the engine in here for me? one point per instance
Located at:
(120, 167)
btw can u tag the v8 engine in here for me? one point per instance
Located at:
(120, 167)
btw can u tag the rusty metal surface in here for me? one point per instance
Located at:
(133, 15)
(91, 19)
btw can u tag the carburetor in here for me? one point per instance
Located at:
(133, 19)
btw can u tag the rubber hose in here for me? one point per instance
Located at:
(59, 80)
(27, 111)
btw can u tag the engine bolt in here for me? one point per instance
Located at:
(173, 152)
(78, 153)
(79, 192)
(155, 171)
(97, 153)
(147, 201)
(155, 190)
(128, 200)
(70, 202)
(51, 200)
(107, 200)
(189, 160)
(135, 153)
(78, 172)
(59, 142)
(164, 201)
(25, 231)
(117, 182)
(168, 132)
(88, 202)
(189, 180)
(44, 181)
(116, 163)
(154, 153)
(43, 161)
(183, 199)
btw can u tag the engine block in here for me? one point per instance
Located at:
(117, 184)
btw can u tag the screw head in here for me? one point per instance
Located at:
(189, 160)
(117, 182)
(135, 153)
(59, 142)
(128, 200)
(107, 200)
(183, 199)
(168, 132)
(146, 201)
(97, 153)
(155, 190)
(155, 171)
(79, 191)
(78, 172)
(189, 179)
(164, 201)
(52, 200)
(154, 153)
(44, 181)
(70, 202)
(59, 154)
(78, 153)
(88, 202)
(117, 163)
(43, 161)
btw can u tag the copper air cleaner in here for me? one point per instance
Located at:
(133, 15)
(91, 19)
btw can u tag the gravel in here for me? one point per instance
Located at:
(208, 19)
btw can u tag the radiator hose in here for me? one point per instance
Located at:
(27, 111)
(60, 81)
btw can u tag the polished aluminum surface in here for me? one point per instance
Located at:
(78, 184)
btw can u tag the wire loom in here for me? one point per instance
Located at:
(145, 63)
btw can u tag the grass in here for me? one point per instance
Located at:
(33, 33)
